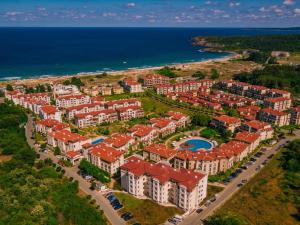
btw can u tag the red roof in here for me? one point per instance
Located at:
(67, 97)
(128, 108)
(274, 112)
(140, 130)
(123, 101)
(95, 113)
(163, 173)
(106, 153)
(277, 99)
(118, 140)
(227, 119)
(160, 149)
(49, 109)
(160, 122)
(67, 136)
(78, 107)
(175, 115)
(247, 137)
(72, 154)
(257, 125)
(55, 124)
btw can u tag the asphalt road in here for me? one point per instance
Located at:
(109, 212)
(230, 189)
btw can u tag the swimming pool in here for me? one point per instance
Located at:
(196, 144)
(97, 141)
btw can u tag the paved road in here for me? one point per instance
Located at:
(232, 188)
(110, 213)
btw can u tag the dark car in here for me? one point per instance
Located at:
(270, 156)
(238, 171)
(199, 210)
(125, 214)
(244, 167)
(127, 217)
(136, 224)
(253, 160)
(118, 207)
(240, 185)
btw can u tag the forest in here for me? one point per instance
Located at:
(34, 191)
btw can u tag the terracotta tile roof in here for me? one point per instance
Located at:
(274, 112)
(72, 154)
(78, 107)
(141, 130)
(257, 125)
(118, 140)
(277, 99)
(66, 136)
(122, 101)
(106, 153)
(175, 115)
(247, 137)
(95, 113)
(128, 108)
(163, 173)
(297, 109)
(49, 109)
(160, 122)
(68, 97)
(56, 125)
(227, 119)
(161, 150)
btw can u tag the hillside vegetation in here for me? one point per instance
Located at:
(272, 197)
(35, 192)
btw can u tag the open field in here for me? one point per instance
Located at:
(293, 59)
(261, 201)
(146, 212)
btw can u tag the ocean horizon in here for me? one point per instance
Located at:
(29, 52)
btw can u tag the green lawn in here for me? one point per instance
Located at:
(262, 201)
(146, 212)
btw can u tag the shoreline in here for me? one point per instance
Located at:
(131, 72)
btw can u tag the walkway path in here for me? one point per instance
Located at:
(109, 212)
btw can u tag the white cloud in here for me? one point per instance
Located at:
(297, 12)
(288, 2)
(13, 13)
(208, 2)
(234, 4)
(131, 4)
(109, 14)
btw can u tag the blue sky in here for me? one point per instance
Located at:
(150, 13)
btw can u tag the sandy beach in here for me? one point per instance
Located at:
(124, 73)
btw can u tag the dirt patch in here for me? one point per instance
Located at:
(5, 158)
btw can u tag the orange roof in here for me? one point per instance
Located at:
(67, 97)
(140, 130)
(49, 109)
(227, 119)
(163, 173)
(55, 124)
(95, 113)
(72, 154)
(160, 122)
(247, 137)
(118, 140)
(66, 136)
(256, 124)
(277, 99)
(175, 115)
(274, 112)
(78, 107)
(106, 153)
(161, 150)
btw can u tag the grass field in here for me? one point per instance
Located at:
(146, 212)
(262, 201)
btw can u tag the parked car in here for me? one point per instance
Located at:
(244, 181)
(213, 199)
(244, 167)
(117, 207)
(270, 156)
(199, 210)
(240, 185)
(172, 221)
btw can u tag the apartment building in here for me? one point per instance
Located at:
(163, 184)
(226, 122)
(48, 125)
(106, 158)
(130, 112)
(60, 89)
(249, 112)
(273, 93)
(164, 126)
(22, 99)
(155, 79)
(96, 117)
(132, 86)
(158, 152)
(122, 103)
(295, 115)
(144, 134)
(264, 129)
(66, 140)
(278, 103)
(275, 117)
(50, 112)
(250, 138)
(72, 100)
(35, 105)
(180, 119)
(121, 142)
(257, 92)
(84, 108)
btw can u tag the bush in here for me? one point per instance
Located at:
(208, 133)
(94, 171)
(167, 71)
(57, 151)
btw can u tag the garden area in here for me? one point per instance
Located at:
(146, 212)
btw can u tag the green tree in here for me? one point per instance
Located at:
(200, 119)
(199, 75)
(9, 87)
(167, 71)
(225, 220)
(57, 151)
(214, 74)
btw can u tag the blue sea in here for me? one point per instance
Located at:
(34, 52)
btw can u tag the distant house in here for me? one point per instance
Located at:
(50, 112)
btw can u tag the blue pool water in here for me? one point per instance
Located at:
(196, 144)
(97, 141)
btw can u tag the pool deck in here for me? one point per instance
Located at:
(213, 143)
